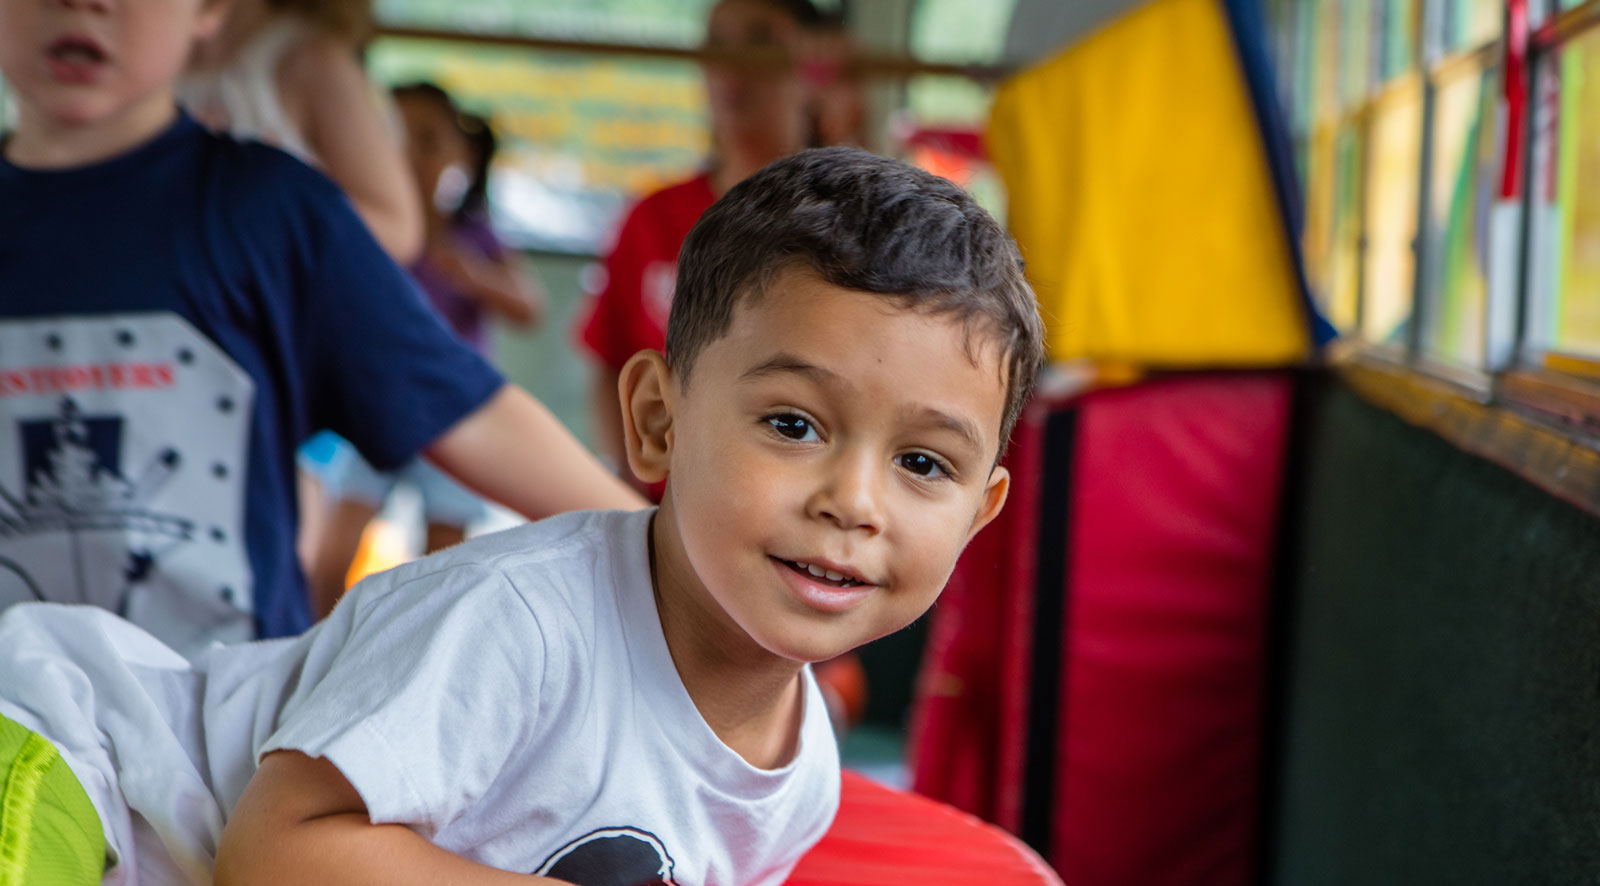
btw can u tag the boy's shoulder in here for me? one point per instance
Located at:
(568, 558)
(254, 175)
(550, 542)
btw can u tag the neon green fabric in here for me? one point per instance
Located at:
(49, 831)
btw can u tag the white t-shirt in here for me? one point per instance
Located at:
(512, 700)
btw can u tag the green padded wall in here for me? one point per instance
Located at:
(1441, 704)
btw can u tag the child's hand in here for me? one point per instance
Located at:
(498, 285)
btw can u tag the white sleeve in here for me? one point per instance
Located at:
(420, 693)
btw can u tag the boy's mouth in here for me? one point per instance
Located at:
(75, 58)
(824, 575)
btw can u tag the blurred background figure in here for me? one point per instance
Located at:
(467, 275)
(758, 103)
(838, 96)
(288, 73)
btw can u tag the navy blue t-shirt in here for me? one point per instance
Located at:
(173, 323)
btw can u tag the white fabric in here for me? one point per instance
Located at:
(242, 99)
(511, 699)
(124, 712)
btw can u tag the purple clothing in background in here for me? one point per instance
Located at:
(460, 313)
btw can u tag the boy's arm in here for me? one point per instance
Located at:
(512, 450)
(301, 821)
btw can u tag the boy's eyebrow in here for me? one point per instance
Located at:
(784, 362)
(961, 427)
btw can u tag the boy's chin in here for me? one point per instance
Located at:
(75, 112)
(802, 649)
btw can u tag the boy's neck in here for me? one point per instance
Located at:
(40, 142)
(753, 700)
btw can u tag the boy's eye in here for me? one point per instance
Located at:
(922, 464)
(793, 427)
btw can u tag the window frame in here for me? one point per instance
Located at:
(1550, 388)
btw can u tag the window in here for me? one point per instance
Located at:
(1564, 306)
(654, 22)
(1394, 145)
(941, 126)
(1452, 187)
(1461, 216)
(581, 135)
(1401, 137)
(1470, 23)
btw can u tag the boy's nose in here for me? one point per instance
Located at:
(851, 495)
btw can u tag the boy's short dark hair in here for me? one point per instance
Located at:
(867, 223)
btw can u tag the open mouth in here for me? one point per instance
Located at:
(822, 575)
(77, 51)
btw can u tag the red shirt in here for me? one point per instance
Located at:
(630, 313)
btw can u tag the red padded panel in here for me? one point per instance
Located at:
(968, 720)
(1175, 496)
(883, 837)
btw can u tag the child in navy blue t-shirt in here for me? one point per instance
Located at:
(178, 311)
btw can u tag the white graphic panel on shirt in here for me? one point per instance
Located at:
(656, 287)
(620, 856)
(123, 441)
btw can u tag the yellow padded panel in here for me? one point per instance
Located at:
(1140, 194)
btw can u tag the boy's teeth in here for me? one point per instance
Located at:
(819, 572)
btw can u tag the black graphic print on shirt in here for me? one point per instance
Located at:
(620, 856)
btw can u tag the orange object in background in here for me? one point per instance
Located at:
(383, 546)
(843, 682)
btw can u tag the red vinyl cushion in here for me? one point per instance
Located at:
(883, 837)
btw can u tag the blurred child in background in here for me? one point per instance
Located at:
(467, 275)
(183, 310)
(759, 112)
(288, 73)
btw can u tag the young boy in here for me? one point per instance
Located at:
(178, 311)
(603, 697)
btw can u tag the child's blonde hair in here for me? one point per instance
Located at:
(348, 20)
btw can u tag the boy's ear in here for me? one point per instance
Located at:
(994, 498)
(648, 393)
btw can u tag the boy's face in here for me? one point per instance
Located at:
(828, 459)
(80, 63)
